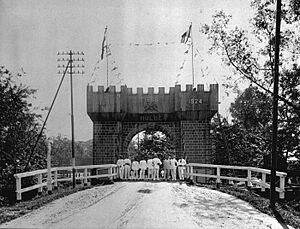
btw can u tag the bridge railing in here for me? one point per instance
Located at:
(60, 174)
(259, 178)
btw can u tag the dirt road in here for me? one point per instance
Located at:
(146, 205)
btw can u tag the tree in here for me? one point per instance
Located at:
(248, 137)
(152, 142)
(19, 127)
(244, 147)
(250, 55)
(61, 153)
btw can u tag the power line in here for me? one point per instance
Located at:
(44, 124)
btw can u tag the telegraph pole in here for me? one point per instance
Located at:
(71, 60)
(275, 108)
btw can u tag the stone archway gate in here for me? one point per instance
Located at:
(185, 116)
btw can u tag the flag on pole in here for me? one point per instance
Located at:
(186, 35)
(103, 43)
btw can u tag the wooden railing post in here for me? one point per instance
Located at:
(191, 173)
(18, 188)
(188, 172)
(110, 173)
(40, 181)
(49, 174)
(218, 176)
(55, 179)
(85, 177)
(249, 183)
(263, 178)
(281, 186)
(116, 171)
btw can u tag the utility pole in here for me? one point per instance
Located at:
(275, 108)
(72, 66)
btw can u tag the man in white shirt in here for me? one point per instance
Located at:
(181, 168)
(135, 167)
(156, 163)
(173, 164)
(150, 168)
(120, 164)
(127, 165)
(143, 167)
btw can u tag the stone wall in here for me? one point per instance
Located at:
(190, 138)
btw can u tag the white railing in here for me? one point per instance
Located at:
(59, 174)
(83, 173)
(259, 173)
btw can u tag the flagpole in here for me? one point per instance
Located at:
(193, 74)
(106, 59)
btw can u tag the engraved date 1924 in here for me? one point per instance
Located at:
(195, 101)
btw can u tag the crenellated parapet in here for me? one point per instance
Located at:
(149, 106)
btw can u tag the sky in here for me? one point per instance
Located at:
(144, 38)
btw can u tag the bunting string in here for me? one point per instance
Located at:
(117, 77)
(114, 69)
(179, 71)
(137, 44)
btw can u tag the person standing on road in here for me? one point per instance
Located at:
(156, 163)
(166, 163)
(181, 168)
(143, 167)
(150, 168)
(120, 164)
(173, 165)
(169, 176)
(135, 167)
(127, 165)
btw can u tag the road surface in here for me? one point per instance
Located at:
(146, 205)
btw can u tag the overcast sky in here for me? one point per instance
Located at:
(145, 48)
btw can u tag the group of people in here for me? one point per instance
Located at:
(152, 169)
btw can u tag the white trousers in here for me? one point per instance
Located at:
(142, 174)
(150, 173)
(181, 172)
(156, 174)
(135, 174)
(166, 173)
(127, 172)
(173, 173)
(121, 172)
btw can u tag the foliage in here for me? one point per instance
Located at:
(18, 130)
(248, 137)
(61, 152)
(243, 147)
(250, 54)
(152, 142)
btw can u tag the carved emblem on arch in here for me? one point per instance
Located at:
(150, 104)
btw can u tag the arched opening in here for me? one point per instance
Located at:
(148, 143)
